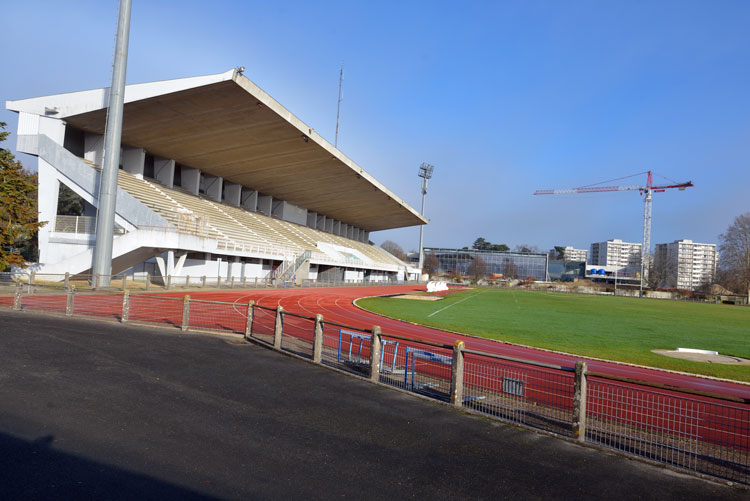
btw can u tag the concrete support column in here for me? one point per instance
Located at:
(312, 219)
(278, 328)
(164, 171)
(212, 186)
(579, 402)
(232, 193)
(318, 339)
(320, 222)
(265, 203)
(133, 161)
(93, 148)
(375, 354)
(191, 179)
(457, 374)
(249, 199)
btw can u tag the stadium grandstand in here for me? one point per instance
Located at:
(216, 179)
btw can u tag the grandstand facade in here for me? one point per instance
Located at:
(216, 179)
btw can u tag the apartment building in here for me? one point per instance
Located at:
(625, 256)
(684, 264)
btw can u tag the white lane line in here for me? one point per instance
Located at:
(454, 304)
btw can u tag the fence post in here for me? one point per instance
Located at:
(185, 313)
(187, 281)
(457, 374)
(32, 277)
(244, 282)
(203, 282)
(69, 304)
(318, 339)
(169, 281)
(17, 298)
(279, 328)
(125, 306)
(249, 324)
(124, 281)
(256, 282)
(375, 354)
(148, 279)
(218, 281)
(579, 401)
(67, 280)
(232, 281)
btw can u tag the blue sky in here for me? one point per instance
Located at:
(502, 97)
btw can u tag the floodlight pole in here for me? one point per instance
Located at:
(425, 172)
(105, 221)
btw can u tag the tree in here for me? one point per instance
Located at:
(734, 254)
(559, 252)
(69, 203)
(431, 264)
(480, 244)
(509, 269)
(394, 248)
(477, 268)
(499, 247)
(18, 209)
(526, 248)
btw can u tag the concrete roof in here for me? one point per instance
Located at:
(227, 126)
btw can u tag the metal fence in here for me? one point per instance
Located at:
(684, 428)
(46, 283)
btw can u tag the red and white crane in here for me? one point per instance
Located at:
(643, 190)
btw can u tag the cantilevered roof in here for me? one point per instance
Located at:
(227, 126)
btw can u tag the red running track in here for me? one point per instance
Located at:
(336, 304)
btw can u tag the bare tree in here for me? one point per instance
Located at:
(394, 248)
(477, 268)
(526, 249)
(510, 270)
(734, 252)
(431, 264)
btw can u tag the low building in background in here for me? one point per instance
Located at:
(624, 256)
(501, 264)
(684, 264)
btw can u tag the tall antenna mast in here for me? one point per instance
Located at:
(338, 108)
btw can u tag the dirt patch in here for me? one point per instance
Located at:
(418, 297)
(708, 357)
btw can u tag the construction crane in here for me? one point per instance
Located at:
(643, 190)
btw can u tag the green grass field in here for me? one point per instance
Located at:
(613, 328)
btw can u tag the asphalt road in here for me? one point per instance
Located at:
(92, 409)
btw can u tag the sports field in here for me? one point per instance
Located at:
(612, 328)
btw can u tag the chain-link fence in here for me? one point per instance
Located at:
(684, 428)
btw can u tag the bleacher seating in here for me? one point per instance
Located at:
(237, 228)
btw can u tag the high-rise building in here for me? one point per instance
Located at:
(571, 254)
(625, 256)
(684, 264)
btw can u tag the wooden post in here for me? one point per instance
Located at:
(279, 328)
(256, 282)
(232, 282)
(148, 280)
(67, 280)
(124, 281)
(375, 354)
(203, 282)
(318, 339)
(579, 402)
(69, 304)
(32, 277)
(185, 313)
(457, 374)
(218, 281)
(169, 281)
(125, 306)
(187, 281)
(249, 324)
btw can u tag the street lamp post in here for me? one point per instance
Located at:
(425, 172)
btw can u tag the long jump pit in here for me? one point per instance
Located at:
(706, 356)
